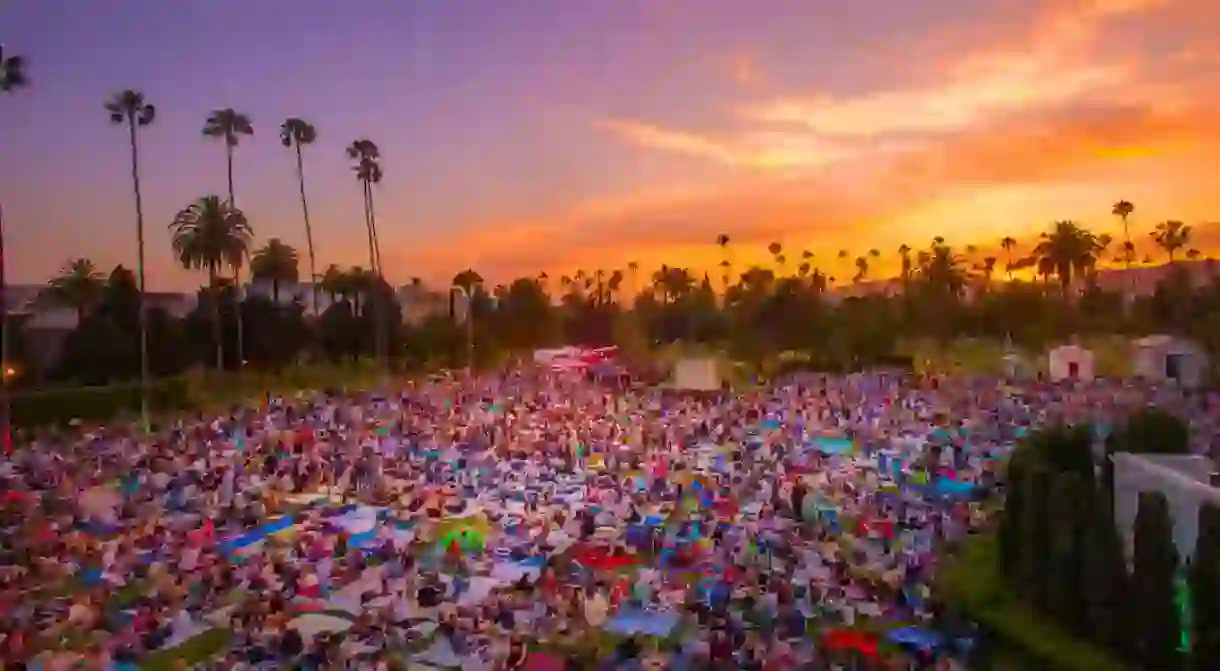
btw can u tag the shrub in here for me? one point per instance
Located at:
(92, 404)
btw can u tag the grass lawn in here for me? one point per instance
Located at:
(969, 582)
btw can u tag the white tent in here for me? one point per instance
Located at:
(1071, 362)
(1165, 358)
(697, 374)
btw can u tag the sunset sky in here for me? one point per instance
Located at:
(560, 134)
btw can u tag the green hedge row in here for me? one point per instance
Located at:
(45, 407)
(59, 406)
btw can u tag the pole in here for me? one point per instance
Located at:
(5, 406)
(468, 296)
(470, 335)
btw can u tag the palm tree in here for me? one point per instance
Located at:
(1123, 209)
(210, 234)
(333, 281)
(861, 269)
(672, 283)
(904, 253)
(229, 125)
(777, 254)
(1070, 249)
(1171, 236)
(368, 172)
(294, 134)
(1008, 244)
(726, 266)
(78, 285)
(129, 107)
(276, 263)
(613, 285)
(12, 72)
(943, 269)
(988, 268)
(367, 156)
(633, 267)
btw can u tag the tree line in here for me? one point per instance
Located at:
(1059, 548)
(794, 302)
(757, 317)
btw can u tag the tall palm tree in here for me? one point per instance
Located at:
(128, 107)
(276, 263)
(613, 285)
(861, 269)
(230, 125)
(1123, 210)
(904, 254)
(78, 286)
(12, 72)
(633, 267)
(777, 255)
(1171, 236)
(210, 234)
(294, 134)
(726, 265)
(1008, 244)
(367, 156)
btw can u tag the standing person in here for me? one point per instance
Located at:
(799, 491)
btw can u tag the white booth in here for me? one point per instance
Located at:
(1071, 362)
(1164, 358)
(697, 374)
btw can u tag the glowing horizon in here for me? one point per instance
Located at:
(550, 137)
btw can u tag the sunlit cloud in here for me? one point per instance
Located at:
(743, 68)
(758, 149)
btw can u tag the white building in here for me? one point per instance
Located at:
(1071, 362)
(1164, 358)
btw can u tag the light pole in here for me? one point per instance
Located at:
(5, 420)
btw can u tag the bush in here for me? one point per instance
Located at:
(46, 407)
(1151, 431)
(56, 407)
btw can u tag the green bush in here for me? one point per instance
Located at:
(1153, 431)
(47, 407)
(58, 406)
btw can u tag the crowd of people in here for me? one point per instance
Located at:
(523, 520)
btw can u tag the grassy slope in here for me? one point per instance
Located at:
(970, 583)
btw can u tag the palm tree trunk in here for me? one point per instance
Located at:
(371, 300)
(380, 335)
(217, 334)
(142, 310)
(238, 296)
(313, 273)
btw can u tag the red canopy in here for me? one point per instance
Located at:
(599, 559)
(846, 639)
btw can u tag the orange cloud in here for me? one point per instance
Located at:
(1037, 125)
(743, 67)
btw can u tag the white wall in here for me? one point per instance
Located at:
(1181, 478)
(697, 374)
